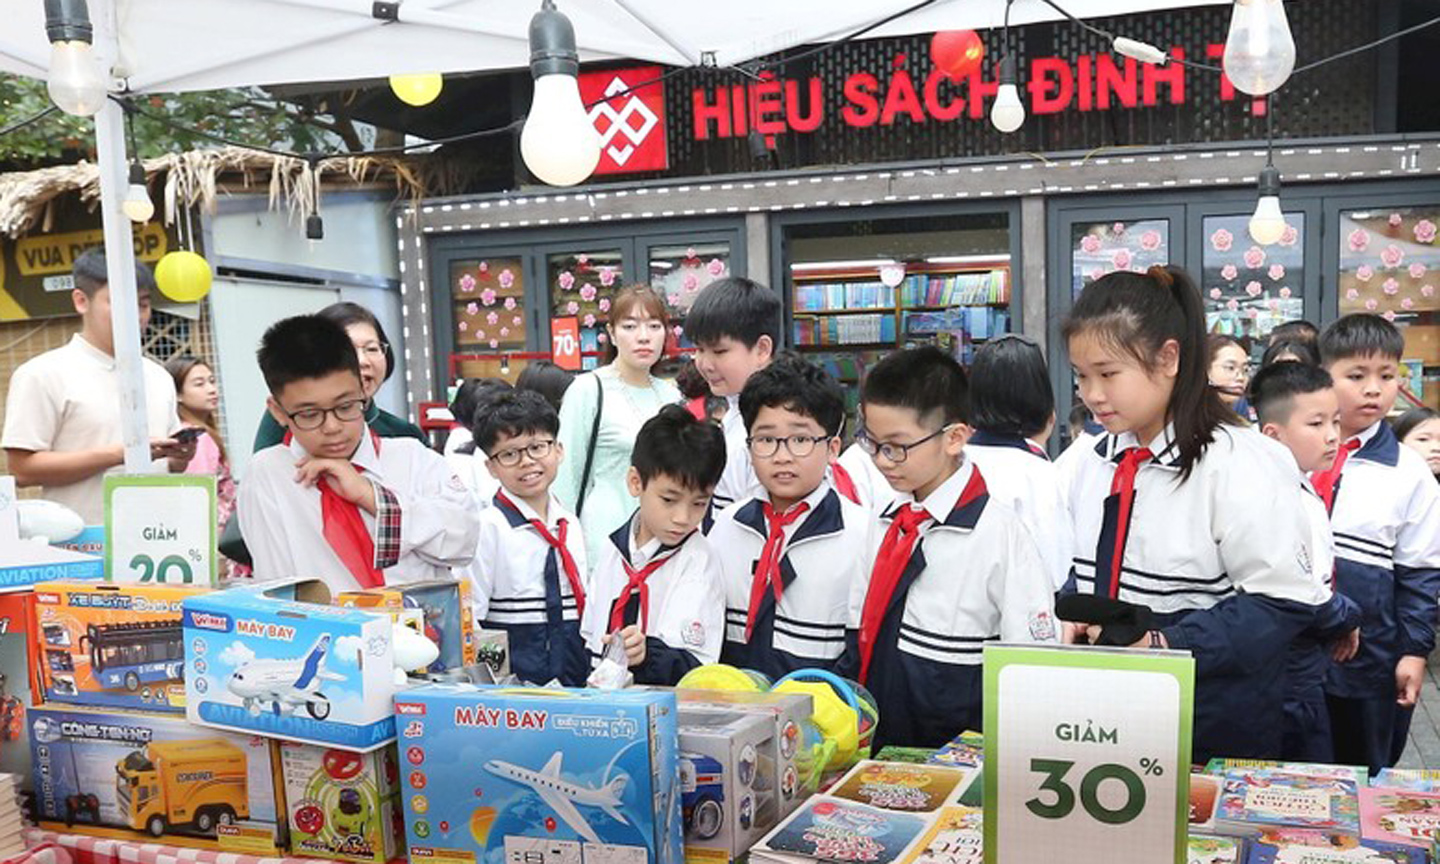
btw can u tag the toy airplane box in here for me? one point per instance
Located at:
(800, 755)
(727, 783)
(444, 606)
(134, 775)
(25, 562)
(112, 646)
(262, 659)
(496, 775)
(342, 805)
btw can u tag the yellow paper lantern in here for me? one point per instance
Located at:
(418, 89)
(183, 276)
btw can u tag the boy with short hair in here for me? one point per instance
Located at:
(735, 325)
(530, 560)
(954, 568)
(657, 585)
(790, 552)
(1385, 512)
(335, 502)
(1295, 404)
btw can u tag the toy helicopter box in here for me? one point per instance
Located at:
(18, 682)
(444, 605)
(727, 783)
(342, 805)
(135, 775)
(262, 659)
(797, 769)
(495, 775)
(112, 645)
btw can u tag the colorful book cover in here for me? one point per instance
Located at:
(1275, 796)
(1413, 779)
(1359, 774)
(1397, 816)
(967, 750)
(913, 755)
(956, 837)
(1213, 849)
(1204, 795)
(1309, 846)
(833, 829)
(901, 786)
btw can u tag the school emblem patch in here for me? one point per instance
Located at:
(456, 483)
(1302, 558)
(1042, 627)
(693, 634)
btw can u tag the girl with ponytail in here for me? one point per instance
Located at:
(1184, 521)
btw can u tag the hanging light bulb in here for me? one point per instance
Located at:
(417, 90)
(1008, 113)
(559, 143)
(1267, 224)
(1142, 51)
(137, 205)
(74, 80)
(1259, 51)
(314, 227)
(504, 364)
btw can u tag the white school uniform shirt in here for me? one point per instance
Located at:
(473, 470)
(1322, 539)
(1387, 515)
(282, 527)
(508, 573)
(687, 598)
(1236, 524)
(67, 400)
(984, 578)
(458, 437)
(1030, 483)
(811, 616)
(738, 480)
(876, 494)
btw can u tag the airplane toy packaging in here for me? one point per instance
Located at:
(343, 805)
(727, 782)
(260, 659)
(139, 776)
(444, 607)
(112, 646)
(492, 775)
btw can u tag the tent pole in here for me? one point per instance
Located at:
(124, 309)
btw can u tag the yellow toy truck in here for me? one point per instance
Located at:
(194, 784)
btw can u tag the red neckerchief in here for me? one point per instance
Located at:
(1327, 482)
(637, 582)
(1123, 485)
(843, 482)
(557, 542)
(344, 529)
(767, 569)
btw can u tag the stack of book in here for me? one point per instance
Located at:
(12, 817)
(829, 296)
(844, 330)
(961, 289)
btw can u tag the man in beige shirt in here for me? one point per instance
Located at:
(62, 416)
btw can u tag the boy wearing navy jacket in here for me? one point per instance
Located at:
(954, 567)
(1385, 512)
(530, 562)
(790, 552)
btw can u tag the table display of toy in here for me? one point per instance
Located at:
(342, 805)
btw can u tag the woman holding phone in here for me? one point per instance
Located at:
(198, 397)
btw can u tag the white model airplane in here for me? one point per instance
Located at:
(562, 795)
(286, 684)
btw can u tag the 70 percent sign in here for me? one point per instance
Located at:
(1064, 801)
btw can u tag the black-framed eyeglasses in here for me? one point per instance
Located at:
(896, 453)
(799, 446)
(313, 418)
(536, 450)
(372, 349)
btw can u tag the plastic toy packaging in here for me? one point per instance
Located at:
(612, 672)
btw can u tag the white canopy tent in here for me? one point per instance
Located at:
(155, 46)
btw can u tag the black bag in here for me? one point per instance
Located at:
(590, 447)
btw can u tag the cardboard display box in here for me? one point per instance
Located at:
(25, 562)
(273, 659)
(727, 782)
(342, 805)
(132, 774)
(796, 773)
(19, 684)
(444, 605)
(539, 776)
(112, 646)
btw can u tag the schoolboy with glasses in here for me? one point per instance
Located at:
(530, 562)
(953, 565)
(335, 501)
(790, 551)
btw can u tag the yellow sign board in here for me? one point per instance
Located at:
(48, 254)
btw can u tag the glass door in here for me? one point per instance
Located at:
(485, 307)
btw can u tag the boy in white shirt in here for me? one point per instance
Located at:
(530, 561)
(333, 501)
(790, 552)
(657, 586)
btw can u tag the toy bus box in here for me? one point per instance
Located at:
(797, 768)
(496, 775)
(445, 609)
(727, 783)
(141, 776)
(276, 659)
(342, 805)
(112, 645)
(18, 682)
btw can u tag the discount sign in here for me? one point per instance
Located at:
(565, 342)
(1087, 755)
(160, 529)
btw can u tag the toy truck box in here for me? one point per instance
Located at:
(798, 764)
(112, 646)
(444, 605)
(727, 783)
(261, 659)
(495, 775)
(343, 805)
(18, 682)
(129, 775)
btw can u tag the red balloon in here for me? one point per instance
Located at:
(957, 53)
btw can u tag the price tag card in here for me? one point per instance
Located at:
(1087, 754)
(565, 342)
(161, 528)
